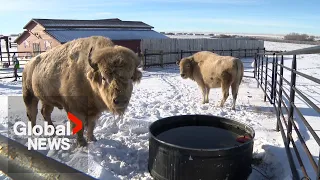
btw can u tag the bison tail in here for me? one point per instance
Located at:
(240, 70)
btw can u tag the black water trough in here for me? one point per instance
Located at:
(200, 147)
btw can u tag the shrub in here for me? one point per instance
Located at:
(299, 37)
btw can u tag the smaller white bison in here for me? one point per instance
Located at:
(85, 77)
(211, 70)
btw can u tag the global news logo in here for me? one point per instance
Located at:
(20, 128)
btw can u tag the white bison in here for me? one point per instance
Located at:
(85, 77)
(211, 70)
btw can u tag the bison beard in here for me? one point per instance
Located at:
(90, 67)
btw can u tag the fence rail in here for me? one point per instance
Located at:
(284, 103)
(7, 63)
(6, 57)
(161, 58)
(17, 162)
(158, 58)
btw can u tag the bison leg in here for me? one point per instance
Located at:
(225, 92)
(91, 125)
(204, 94)
(204, 91)
(46, 111)
(207, 94)
(235, 89)
(80, 139)
(31, 103)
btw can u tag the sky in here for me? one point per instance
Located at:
(222, 16)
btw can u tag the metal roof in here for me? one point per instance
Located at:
(114, 34)
(98, 23)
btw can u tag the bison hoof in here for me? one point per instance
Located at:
(82, 142)
(205, 101)
(92, 139)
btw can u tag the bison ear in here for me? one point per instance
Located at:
(93, 65)
(94, 77)
(191, 59)
(178, 62)
(191, 62)
(137, 76)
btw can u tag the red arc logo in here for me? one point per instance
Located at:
(76, 121)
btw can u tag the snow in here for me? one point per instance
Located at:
(207, 36)
(121, 151)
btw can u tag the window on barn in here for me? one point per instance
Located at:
(36, 48)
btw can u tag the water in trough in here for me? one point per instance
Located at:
(200, 137)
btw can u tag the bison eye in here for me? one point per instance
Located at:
(103, 78)
(131, 77)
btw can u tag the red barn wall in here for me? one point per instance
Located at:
(134, 45)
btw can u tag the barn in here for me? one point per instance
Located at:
(43, 34)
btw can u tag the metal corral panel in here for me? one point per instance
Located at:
(68, 35)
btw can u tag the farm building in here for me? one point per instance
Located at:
(43, 34)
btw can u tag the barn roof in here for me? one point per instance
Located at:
(96, 23)
(64, 35)
(65, 30)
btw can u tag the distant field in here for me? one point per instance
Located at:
(266, 37)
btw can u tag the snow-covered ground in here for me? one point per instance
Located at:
(121, 151)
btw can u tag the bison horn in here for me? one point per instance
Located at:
(93, 65)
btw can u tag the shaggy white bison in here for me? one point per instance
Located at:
(211, 70)
(85, 77)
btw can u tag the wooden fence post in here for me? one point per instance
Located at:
(161, 58)
(145, 59)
